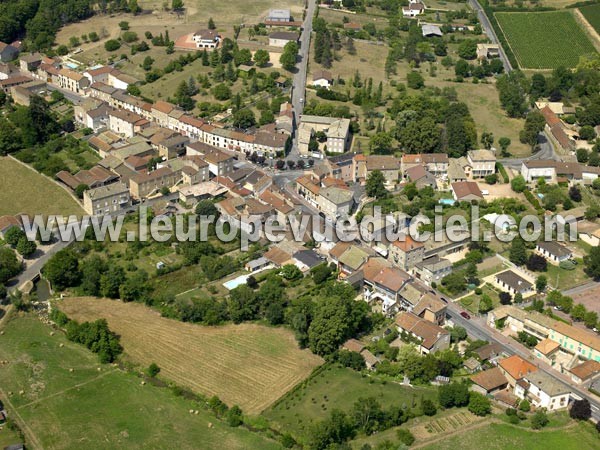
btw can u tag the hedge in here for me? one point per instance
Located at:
(502, 171)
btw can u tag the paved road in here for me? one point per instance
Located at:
(477, 328)
(299, 82)
(546, 151)
(582, 288)
(489, 30)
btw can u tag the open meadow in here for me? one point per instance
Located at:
(338, 388)
(97, 406)
(545, 40)
(248, 365)
(574, 436)
(26, 191)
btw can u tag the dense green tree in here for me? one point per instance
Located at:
(376, 184)
(111, 281)
(25, 247)
(534, 124)
(244, 118)
(479, 404)
(468, 49)
(62, 270)
(9, 265)
(261, 57)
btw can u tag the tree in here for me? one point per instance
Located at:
(590, 319)
(592, 262)
(13, 235)
(222, 92)
(376, 184)
(244, 118)
(112, 45)
(518, 252)
(336, 429)
(534, 124)
(581, 409)
(289, 56)
(537, 263)
(479, 404)
(206, 208)
(381, 143)
(153, 370)
(62, 270)
(578, 312)
(539, 420)
(485, 304)
(428, 407)
(25, 247)
(177, 5)
(518, 184)
(211, 24)
(234, 416)
(587, 133)
(505, 298)
(111, 281)
(540, 283)
(468, 49)
(525, 406)
(9, 265)
(261, 57)
(415, 80)
(405, 436)
(504, 143)
(353, 360)
(462, 69)
(575, 194)
(291, 272)
(487, 139)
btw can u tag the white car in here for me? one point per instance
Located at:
(301, 100)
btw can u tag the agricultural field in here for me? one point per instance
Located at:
(338, 387)
(248, 365)
(424, 428)
(26, 191)
(539, 39)
(97, 406)
(592, 15)
(496, 436)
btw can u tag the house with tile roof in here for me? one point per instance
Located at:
(543, 391)
(382, 284)
(515, 368)
(585, 371)
(431, 337)
(489, 381)
(546, 350)
(406, 252)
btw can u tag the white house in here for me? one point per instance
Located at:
(322, 78)
(553, 251)
(414, 8)
(513, 283)
(208, 39)
(280, 38)
(543, 391)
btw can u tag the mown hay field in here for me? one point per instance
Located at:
(545, 40)
(249, 365)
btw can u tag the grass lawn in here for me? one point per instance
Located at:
(502, 436)
(338, 388)
(26, 191)
(533, 38)
(99, 409)
(8, 437)
(248, 365)
(566, 278)
(472, 301)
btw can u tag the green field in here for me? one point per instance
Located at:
(592, 15)
(26, 191)
(501, 437)
(338, 388)
(98, 406)
(545, 40)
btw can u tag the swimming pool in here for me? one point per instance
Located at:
(446, 201)
(232, 284)
(71, 65)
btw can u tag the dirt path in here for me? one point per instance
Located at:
(591, 32)
(78, 385)
(30, 438)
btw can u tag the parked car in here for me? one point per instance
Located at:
(465, 315)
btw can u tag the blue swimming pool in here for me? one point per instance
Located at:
(446, 201)
(232, 284)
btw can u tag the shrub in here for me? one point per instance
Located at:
(153, 370)
(129, 36)
(112, 45)
(525, 406)
(405, 436)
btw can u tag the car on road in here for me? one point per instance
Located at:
(444, 299)
(301, 100)
(465, 315)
